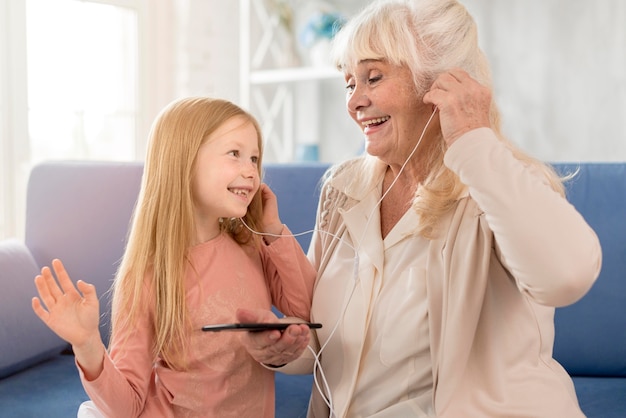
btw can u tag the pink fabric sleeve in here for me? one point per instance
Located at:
(122, 387)
(290, 275)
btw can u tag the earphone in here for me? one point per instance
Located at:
(317, 367)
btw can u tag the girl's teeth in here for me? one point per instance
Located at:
(239, 192)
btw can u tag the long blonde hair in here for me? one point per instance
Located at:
(429, 37)
(162, 228)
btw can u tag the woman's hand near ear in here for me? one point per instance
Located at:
(463, 103)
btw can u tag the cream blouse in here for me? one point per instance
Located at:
(483, 294)
(397, 308)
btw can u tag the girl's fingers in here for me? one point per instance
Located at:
(47, 288)
(39, 310)
(64, 279)
(51, 290)
(88, 290)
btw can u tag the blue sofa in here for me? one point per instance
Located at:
(79, 212)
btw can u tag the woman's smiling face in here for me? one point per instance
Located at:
(382, 100)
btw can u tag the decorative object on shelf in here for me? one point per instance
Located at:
(283, 10)
(320, 27)
(307, 152)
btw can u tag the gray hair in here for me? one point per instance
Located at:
(427, 36)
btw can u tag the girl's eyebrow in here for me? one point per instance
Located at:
(239, 144)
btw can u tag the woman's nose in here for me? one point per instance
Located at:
(357, 100)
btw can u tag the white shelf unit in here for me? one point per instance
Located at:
(271, 80)
(292, 75)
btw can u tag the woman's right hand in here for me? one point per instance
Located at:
(464, 104)
(73, 313)
(273, 348)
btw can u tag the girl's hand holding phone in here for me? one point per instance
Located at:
(273, 347)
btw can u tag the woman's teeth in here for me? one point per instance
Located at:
(376, 121)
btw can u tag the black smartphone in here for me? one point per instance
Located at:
(257, 326)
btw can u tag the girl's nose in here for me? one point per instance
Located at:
(249, 169)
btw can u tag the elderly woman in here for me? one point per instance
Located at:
(442, 252)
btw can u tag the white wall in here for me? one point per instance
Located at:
(207, 54)
(559, 73)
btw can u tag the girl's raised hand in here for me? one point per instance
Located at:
(73, 313)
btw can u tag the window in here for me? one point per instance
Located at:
(82, 80)
(3, 128)
(69, 89)
(12, 98)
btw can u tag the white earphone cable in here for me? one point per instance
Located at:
(317, 366)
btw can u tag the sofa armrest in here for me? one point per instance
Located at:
(24, 339)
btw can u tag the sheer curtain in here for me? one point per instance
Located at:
(13, 130)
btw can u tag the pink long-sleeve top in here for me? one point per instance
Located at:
(222, 380)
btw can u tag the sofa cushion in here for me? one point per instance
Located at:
(601, 397)
(24, 339)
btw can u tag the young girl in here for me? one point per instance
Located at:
(189, 262)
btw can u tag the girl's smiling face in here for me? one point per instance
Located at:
(226, 175)
(382, 100)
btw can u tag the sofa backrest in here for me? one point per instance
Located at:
(590, 335)
(80, 212)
